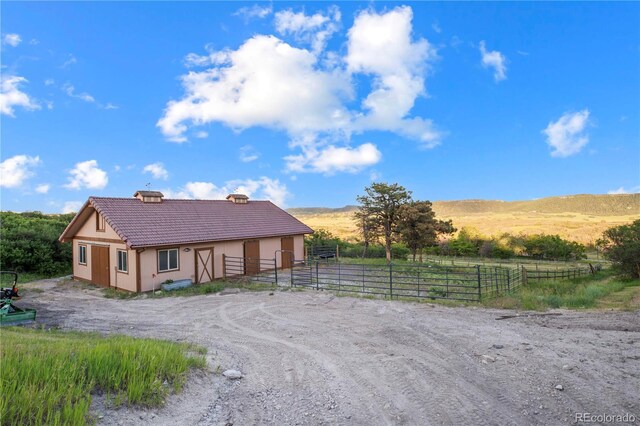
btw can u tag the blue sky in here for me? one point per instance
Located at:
(308, 103)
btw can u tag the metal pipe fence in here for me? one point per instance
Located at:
(259, 270)
(465, 283)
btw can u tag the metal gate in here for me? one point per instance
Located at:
(302, 274)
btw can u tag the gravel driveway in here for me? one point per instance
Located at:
(312, 358)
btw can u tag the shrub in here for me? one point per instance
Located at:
(29, 243)
(621, 245)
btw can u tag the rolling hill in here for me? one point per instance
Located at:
(581, 218)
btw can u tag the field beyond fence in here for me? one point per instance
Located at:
(419, 281)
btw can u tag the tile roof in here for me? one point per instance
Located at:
(169, 222)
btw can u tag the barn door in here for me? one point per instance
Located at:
(251, 257)
(100, 265)
(204, 265)
(286, 245)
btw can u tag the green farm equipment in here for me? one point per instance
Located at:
(9, 313)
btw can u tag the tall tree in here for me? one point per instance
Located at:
(367, 227)
(379, 207)
(419, 227)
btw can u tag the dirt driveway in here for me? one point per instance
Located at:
(313, 358)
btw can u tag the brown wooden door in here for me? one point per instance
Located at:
(251, 257)
(204, 265)
(100, 265)
(286, 244)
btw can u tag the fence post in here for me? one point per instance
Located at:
(479, 284)
(338, 253)
(275, 268)
(224, 265)
(292, 282)
(525, 278)
(391, 281)
(339, 278)
(317, 276)
(446, 279)
(363, 278)
(508, 280)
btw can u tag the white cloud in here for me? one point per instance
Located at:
(49, 82)
(70, 61)
(201, 134)
(109, 105)
(381, 45)
(567, 135)
(255, 11)
(313, 29)
(11, 96)
(71, 207)
(307, 93)
(16, 170)
(248, 154)
(494, 59)
(436, 27)
(43, 188)
(262, 188)
(623, 190)
(12, 39)
(70, 90)
(332, 159)
(266, 82)
(87, 174)
(157, 170)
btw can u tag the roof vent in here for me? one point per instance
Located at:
(238, 198)
(149, 196)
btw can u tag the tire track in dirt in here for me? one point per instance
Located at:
(336, 372)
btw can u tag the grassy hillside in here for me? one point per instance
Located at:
(581, 218)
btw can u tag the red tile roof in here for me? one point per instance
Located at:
(170, 222)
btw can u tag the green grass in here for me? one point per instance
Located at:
(26, 277)
(627, 299)
(47, 377)
(572, 294)
(472, 261)
(194, 290)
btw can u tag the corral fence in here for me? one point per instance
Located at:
(465, 283)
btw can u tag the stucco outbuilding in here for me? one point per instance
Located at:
(135, 244)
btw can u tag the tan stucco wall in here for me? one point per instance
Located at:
(298, 246)
(88, 229)
(88, 235)
(151, 278)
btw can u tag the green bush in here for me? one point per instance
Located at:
(500, 252)
(553, 247)
(29, 243)
(374, 251)
(621, 245)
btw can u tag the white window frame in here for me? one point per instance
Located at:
(124, 253)
(177, 268)
(82, 248)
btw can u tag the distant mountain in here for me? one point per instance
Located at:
(581, 217)
(316, 210)
(598, 205)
